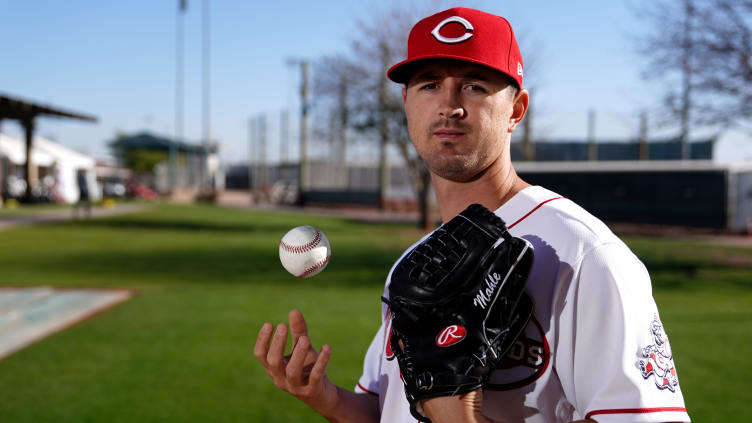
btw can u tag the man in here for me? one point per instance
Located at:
(83, 195)
(590, 352)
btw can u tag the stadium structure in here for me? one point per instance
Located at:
(623, 182)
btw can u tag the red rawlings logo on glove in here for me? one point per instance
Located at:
(450, 335)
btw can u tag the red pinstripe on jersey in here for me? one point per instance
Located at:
(636, 411)
(366, 390)
(533, 210)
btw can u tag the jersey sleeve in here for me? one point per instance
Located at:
(369, 380)
(623, 367)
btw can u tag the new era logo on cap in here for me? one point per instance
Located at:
(462, 34)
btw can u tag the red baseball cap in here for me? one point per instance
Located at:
(462, 34)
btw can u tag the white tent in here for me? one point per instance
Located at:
(15, 151)
(65, 161)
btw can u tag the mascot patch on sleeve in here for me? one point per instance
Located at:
(656, 360)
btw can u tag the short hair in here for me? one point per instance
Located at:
(512, 83)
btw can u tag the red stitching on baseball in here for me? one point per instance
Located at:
(315, 267)
(302, 248)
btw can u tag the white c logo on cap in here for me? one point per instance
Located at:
(464, 22)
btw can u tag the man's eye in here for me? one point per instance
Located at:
(429, 87)
(473, 87)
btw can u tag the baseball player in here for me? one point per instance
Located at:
(594, 349)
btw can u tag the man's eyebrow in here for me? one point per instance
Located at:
(432, 75)
(475, 76)
(425, 76)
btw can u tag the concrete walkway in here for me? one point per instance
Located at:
(65, 215)
(28, 315)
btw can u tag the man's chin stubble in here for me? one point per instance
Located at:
(456, 172)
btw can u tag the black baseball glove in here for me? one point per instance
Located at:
(457, 304)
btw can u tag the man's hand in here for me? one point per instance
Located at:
(465, 408)
(301, 373)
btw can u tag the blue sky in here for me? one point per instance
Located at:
(116, 60)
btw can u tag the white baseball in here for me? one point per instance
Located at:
(304, 251)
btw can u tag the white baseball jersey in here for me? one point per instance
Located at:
(595, 346)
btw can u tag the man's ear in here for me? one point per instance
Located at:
(519, 108)
(404, 95)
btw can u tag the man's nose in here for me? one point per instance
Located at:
(451, 105)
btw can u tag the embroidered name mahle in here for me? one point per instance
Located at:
(486, 294)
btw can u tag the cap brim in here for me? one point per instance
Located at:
(402, 71)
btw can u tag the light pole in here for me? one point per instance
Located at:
(179, 103)
(206, 103)
(303, 172)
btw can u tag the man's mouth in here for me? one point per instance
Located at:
(448, 134)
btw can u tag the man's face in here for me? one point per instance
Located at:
(460, 117)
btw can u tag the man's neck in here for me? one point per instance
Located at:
(491, 189)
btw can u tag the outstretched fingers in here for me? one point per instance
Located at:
(318, 372)
(275, 356)
(295, 371)
(302, 373)
(261, 349)
(311, 387)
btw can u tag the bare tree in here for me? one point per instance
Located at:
(333, 78)
(725, 49)
(533, 53)
(374, 105)
(702, 50)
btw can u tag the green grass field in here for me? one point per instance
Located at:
(209, 277)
